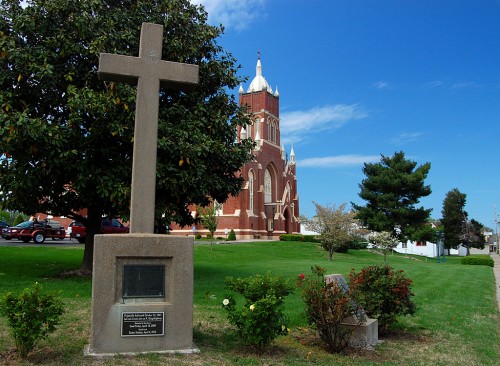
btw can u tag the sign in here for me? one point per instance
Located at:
(138, 324)
(143, 281)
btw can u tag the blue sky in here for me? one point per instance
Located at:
(360, 78)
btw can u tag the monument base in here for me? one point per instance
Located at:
(364, 335)
(142, 295)
(87, 352)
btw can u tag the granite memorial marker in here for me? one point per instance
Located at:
(364, 330)
(142, 288)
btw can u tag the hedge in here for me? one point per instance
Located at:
(480, 260)
(299, 237)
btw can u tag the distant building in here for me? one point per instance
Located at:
(268, 204)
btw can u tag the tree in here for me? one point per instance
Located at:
(385, 241)
(392, 189)
(209, 219)
(335, 226)
(453, 218)
(66, 137)
(472, 235)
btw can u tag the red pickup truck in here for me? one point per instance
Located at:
(36, 230)
(108, 226)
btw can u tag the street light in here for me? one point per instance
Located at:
(440, 236)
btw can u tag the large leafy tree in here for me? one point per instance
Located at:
(453, 218)
(392, 189)
(66, 137)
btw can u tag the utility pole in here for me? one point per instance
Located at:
(497, 222)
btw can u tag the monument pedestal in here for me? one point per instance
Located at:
(364, 330)
(142, 295)
(364, 335)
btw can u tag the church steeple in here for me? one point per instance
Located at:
(259, 83)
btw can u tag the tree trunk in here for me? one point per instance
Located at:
(92, 227)
(330, 254)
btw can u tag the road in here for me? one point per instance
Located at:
(47, 242)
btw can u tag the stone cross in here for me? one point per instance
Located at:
(148, 71)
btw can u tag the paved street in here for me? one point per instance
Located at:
(48, 242)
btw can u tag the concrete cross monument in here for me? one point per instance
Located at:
(148, 71)
(142, 286)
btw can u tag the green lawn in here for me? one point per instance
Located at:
(456, 322)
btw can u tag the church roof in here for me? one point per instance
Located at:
(259, 82)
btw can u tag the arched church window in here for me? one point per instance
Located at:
(250, 190)
(269, 129)
(268, 197)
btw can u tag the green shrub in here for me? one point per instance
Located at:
(327, 307)
(357, 244)
(260, 320)
(299, 237)
(291, 237)
(198, 236)
(31, 316)
(383, 293)
(231, 236)
(19, 218)
(312, 238)
(341, 248)
(479, 260)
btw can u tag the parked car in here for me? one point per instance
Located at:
(36, 230)
(3, 225)
(108, 226)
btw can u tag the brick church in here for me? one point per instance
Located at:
(268, 204)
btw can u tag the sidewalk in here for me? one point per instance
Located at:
(496, 273)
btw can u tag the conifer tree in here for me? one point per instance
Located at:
(392, 189)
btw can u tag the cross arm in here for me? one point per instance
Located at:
(109, 64)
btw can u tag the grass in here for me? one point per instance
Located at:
(456, 322)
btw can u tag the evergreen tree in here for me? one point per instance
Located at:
(66, 138)
(392, 189)
(453, 218)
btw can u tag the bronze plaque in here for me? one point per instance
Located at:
(143, 280)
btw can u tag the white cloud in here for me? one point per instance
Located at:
(435, 84)
(297, 124)
(464, 85)
(381, 85)
(232, 13)
(406, 137)
(337, 161)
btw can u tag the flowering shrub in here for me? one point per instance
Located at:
(260, 319)
(328, 305)
(31, 316)
(383, 293)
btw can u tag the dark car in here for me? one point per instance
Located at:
(36, 230)
(108, 226)
(3, 225)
